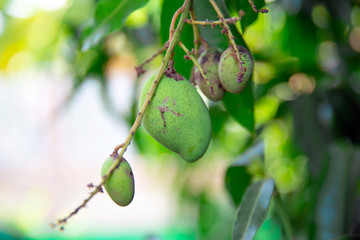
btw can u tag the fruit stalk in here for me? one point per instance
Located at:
(196, 63)
(263, 10)
(175, 39)
(140, 69)
(228, 33)
(217, 22)
(196, 33)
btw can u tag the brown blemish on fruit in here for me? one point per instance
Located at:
(163, 108)
(170, 72)
(212, 91)
(204, 59)
(162, 111)
(240, 77)
(176, 114)
(129, 172)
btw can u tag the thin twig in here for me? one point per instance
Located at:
(173, 20)
(140, 114)
(196, 33)
(140, 69)
(116, 149)
(231, 39)
(263, 10)
(197, 64)
(214, 23)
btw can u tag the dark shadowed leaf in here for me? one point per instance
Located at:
(110, 16)
(213, 36)
(181, 65)
(353, 197)
(218, 119)
(330, 209)
(237, 179)
(253, 209)
(348, 238)
(312, 136)
(241, 107)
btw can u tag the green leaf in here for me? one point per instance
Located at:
(213, 36)
(250, 15)
(237, 179)
(241, 107)
(253, 209)
(84, 61)
(181, 65)
(110, 16)
(218, 118)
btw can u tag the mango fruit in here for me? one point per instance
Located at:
(231, 78)
(209, 62)
(177, 117)
(120, 185)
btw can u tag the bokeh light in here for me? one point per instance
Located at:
(328, 56)
(320, 16)
(300, 83)
(354, 39)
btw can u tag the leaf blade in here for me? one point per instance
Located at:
(250, 15)
(253, 209)
(181, 65)
(241, 107)
(110, 16)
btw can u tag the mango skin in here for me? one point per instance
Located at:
(229, 69)
(209, 62)
(177, 117)
(120, 185)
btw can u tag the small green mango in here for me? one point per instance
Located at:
(120, 185)
(229, 71)
(177, 117)
(209, 62)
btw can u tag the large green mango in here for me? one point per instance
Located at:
(177, 117)
(120, 185)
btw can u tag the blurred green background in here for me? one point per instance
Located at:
(68, 96)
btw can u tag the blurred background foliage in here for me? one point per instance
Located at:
(298, 120)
